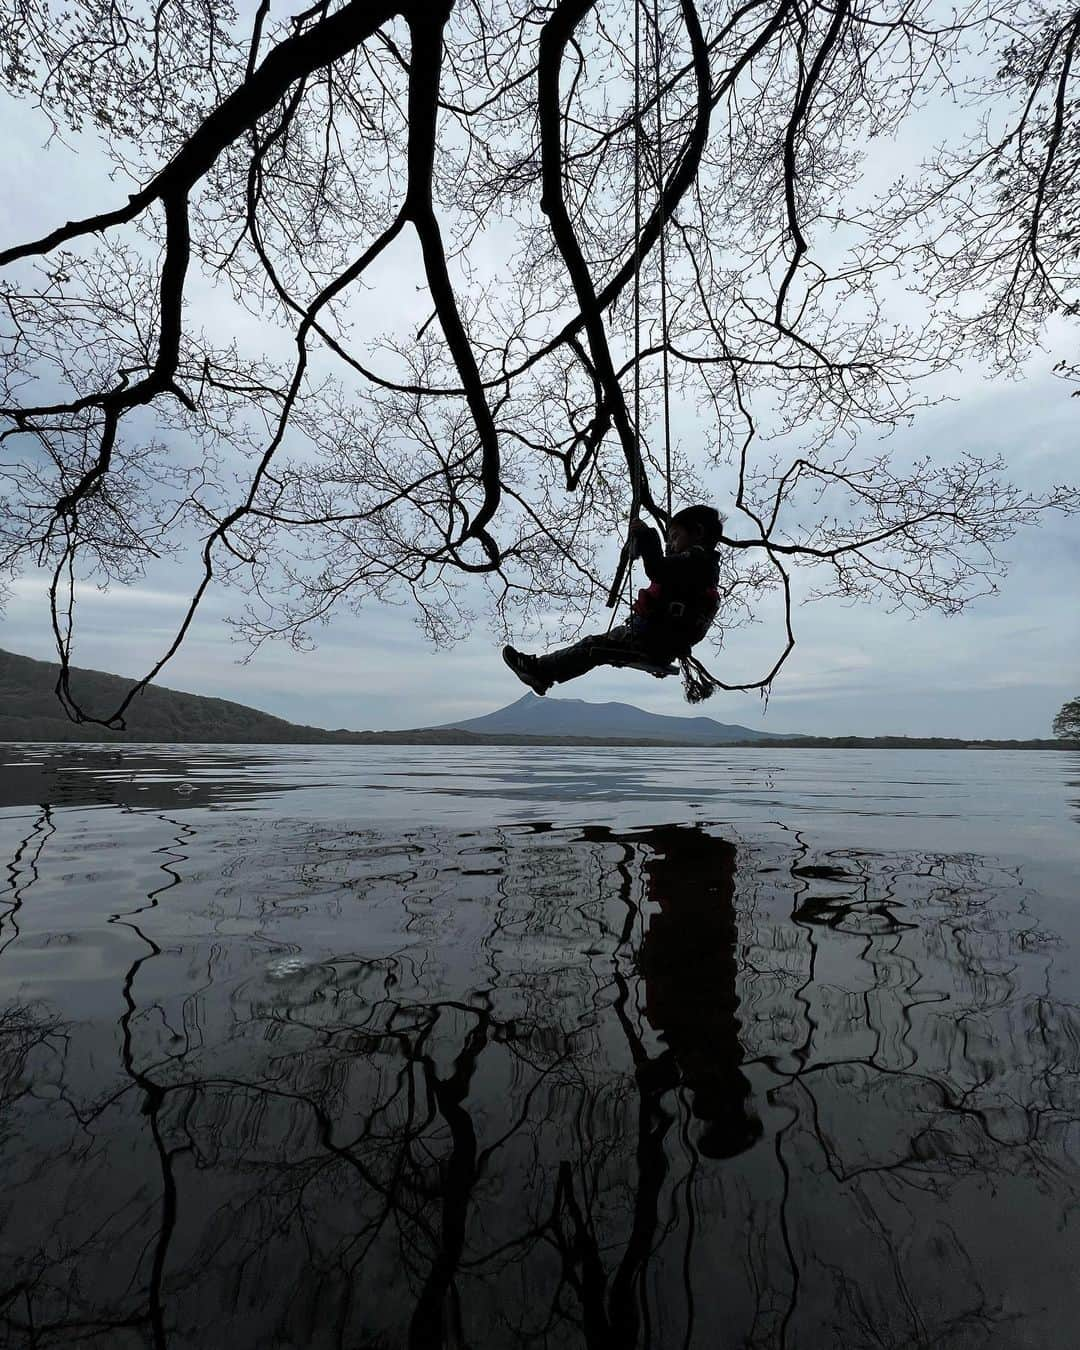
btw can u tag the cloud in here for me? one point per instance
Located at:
(35, 590)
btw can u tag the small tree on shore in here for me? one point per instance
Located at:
(1067, 722)
(496, 419)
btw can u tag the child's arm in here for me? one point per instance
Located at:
(648, 548)
(677, 569)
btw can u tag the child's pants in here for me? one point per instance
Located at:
(624, 643)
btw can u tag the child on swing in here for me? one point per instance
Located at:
(669, 617)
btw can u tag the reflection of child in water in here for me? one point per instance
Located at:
(688, 959)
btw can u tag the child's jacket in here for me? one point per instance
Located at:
(682, 600)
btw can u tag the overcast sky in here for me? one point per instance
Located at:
(1001, 669)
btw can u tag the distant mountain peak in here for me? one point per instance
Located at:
(531, 715)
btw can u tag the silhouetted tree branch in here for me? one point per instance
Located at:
(369, 441)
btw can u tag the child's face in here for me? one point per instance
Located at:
(679, 538)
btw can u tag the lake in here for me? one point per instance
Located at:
(417, 1047)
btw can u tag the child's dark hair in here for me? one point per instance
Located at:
(705, 518)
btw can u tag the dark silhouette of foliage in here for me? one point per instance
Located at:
(1067, 723)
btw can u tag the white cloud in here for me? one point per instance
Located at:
(34, 590)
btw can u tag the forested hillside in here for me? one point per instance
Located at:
(29, 711)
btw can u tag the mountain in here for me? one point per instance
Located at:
(29, 711)
(533, 716)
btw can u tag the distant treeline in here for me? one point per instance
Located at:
(422, 737)
(58, 729)
(140, 733)
(904, 743)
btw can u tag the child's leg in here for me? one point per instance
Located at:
(614, 648)
(598, 649)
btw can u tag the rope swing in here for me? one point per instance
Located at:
(625, 567)
(640, 153)
(663, 255)
(698, 683)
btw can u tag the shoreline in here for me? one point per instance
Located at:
(422, 736)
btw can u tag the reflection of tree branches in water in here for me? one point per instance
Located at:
(26, 1032)
(22, 873)
(966, 1100)
(77, 1321)
(153, 1093)
(526, 1111)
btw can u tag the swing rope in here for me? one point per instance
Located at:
(698, 683)
(627, 558)
(635, 500)
(658, 182)
(657, 90)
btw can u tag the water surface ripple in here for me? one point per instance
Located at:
(437, 1047)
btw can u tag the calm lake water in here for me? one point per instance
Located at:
(421, 1047)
